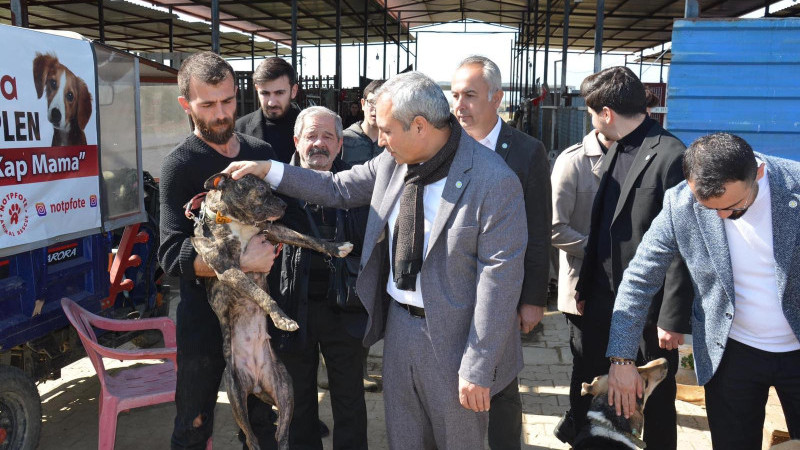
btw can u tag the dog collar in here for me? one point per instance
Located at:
(631, 436)
(218, 217)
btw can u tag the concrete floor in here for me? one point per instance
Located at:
(70, 408)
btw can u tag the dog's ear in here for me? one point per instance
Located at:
(586, 389)
(84, 104)
(216, 181)
(40, 65)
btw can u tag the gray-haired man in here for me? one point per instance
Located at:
(443, 259)
(477, 94)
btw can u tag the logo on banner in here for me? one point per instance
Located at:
(14, 214)
(93, 201)
(41, 210)
(62, 253)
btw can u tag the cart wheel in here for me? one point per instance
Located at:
(20, 410)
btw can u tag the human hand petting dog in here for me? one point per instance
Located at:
(472, 396)
(624, 386)
(669, 340)
(238, 169)
(259, 255)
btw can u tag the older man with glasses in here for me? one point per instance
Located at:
(735, 222)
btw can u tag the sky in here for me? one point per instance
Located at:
(439, 54)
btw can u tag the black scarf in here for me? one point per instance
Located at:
(409, 229)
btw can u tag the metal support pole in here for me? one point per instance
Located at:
(535, 37)
(416, 49)
(546, 40)
(171, 37)
(337, 87)
(399, 31)
(692, 9)
(641, 63)
(527, 19)
(510, 97)
(385, 14)
(319, 69)
(366, 35)
(215, 26)
(19, 13)
(299, 68)
(294, 34)
(598, 35)
(408, 47)
(661, 70)
(564, 44)
(254, 97)
(101, 19)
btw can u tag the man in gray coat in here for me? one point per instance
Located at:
(735, 222)
(442, 264)
(575, 180)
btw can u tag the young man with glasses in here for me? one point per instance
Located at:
(361, 138)
(735, 222)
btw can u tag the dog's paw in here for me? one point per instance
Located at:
(284, 323)
(344, 249)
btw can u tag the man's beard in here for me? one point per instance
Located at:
(736, 214)
(276, 112)
(215, 137)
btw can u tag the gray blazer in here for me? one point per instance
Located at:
(472, 274)
(698, 234)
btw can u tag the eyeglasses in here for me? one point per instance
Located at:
(370, 103)
(750, 199)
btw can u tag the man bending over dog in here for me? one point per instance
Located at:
(308, 294)
(443, 258)
(208, 95)
(735, 220)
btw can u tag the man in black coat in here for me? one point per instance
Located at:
(645, 162)
(477, 94)
(273, 122)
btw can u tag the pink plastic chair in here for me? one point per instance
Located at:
(132, 387)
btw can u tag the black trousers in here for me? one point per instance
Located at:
(325, 332)
(200, 368)
(505, 418)
(736, 396)
(575, 325)
(660, 417)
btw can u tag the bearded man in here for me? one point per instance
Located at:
(208, 96)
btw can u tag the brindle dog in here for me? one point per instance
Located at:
(233, 212)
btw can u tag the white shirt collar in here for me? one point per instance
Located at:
(490, 141)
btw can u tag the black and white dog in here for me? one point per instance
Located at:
(604, 429)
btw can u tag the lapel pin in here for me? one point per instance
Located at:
(792, 203)
(459, 184)
(647, 158)
(504, 146)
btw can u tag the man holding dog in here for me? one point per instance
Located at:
(443, 258)
(276, 83)
(736, 222)
(208, 96)
(308, 294)
(645, 162)
(477, 93)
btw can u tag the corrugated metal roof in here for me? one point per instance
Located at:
(738, 76)
(133, 28)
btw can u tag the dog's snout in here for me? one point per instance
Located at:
(55, 115)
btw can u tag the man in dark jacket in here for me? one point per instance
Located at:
(636, 172)
(361, 138)
(308, 295)
(273, 123)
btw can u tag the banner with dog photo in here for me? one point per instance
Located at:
(49, 184)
